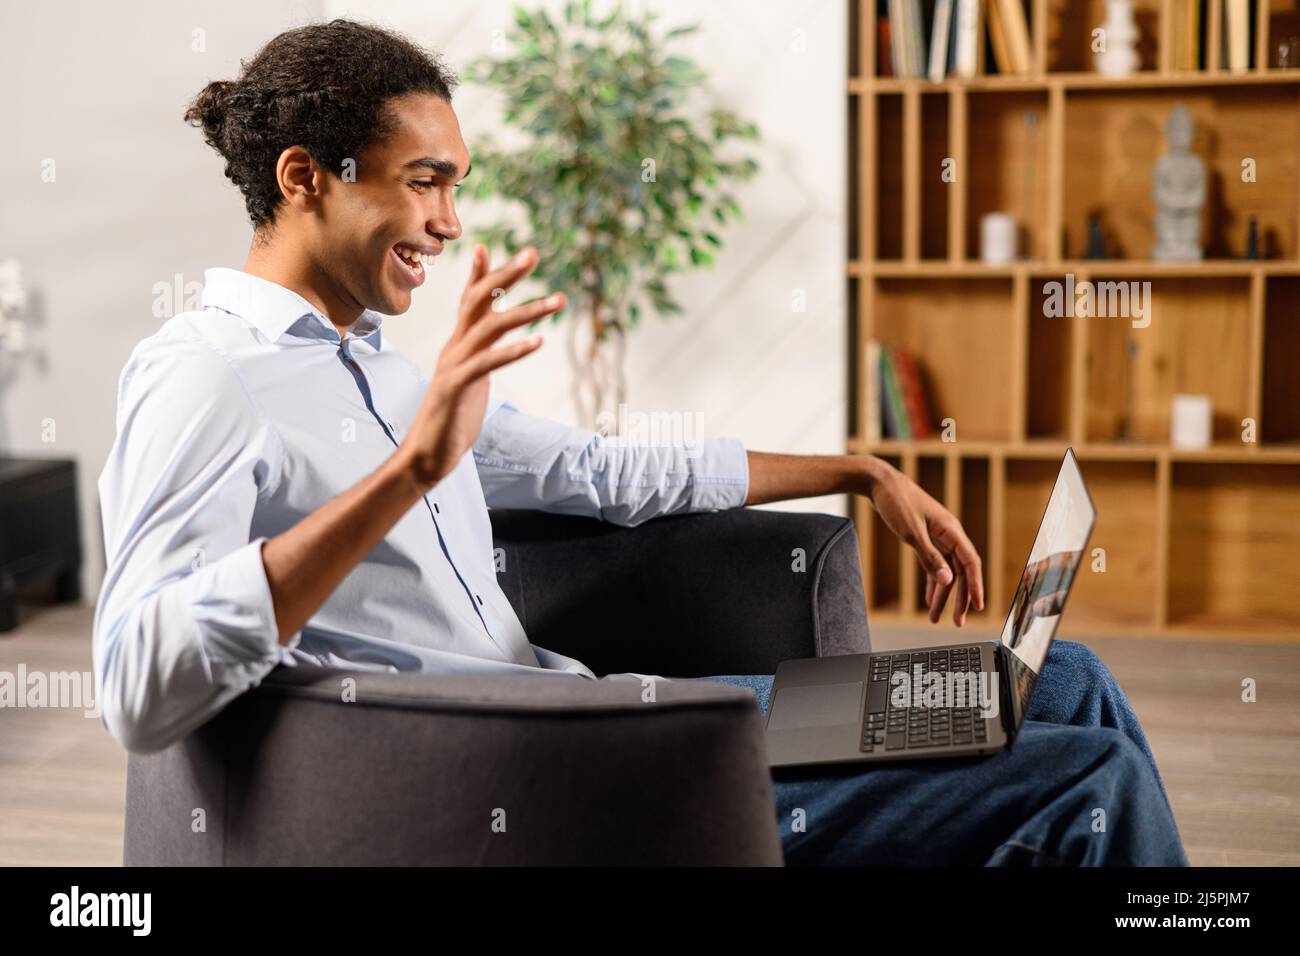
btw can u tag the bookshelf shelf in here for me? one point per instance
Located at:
(1023, 384)
(1282, 453)
(1179, 79)
(1134, 268)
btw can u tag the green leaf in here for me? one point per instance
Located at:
(573, 181)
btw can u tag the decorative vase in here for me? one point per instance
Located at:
(1118, 56)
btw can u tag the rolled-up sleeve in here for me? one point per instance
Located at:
(529, 462)
(185, 621)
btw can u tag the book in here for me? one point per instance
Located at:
(1237, 32)
(968, 38)
(906, 24)
(884, 47)
(939, 40)
(916, 16)
(896, 405)
(891, 398)
(871, 427)
(1001, 53)
(1015, 30)
(898, 38)
(1195, 36)
(953, 33)
(919, 422)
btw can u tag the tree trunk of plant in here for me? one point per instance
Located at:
(598, 383)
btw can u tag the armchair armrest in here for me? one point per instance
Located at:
(433, 769)
(729, 592)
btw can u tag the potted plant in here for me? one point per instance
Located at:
(619, 184)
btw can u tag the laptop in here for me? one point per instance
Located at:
(959, 700)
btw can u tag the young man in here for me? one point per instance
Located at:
(287, 488)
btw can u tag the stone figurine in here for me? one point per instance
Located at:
(1179, 190)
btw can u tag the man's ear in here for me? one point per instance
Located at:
(301, 178)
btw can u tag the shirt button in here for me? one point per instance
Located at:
(436, 509)
(480, 600)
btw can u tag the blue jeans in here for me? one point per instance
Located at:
(1079, 787)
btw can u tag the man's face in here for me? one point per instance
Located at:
(402, 204)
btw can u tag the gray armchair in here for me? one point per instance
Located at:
(432, 769)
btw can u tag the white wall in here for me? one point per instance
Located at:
(139, 199)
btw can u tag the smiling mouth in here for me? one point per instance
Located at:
(412, 263)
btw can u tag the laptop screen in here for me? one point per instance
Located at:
(1040, 598)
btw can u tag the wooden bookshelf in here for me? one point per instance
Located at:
(1198, 543)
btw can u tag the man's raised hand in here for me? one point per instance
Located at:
(451, 415)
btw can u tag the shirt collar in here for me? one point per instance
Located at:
(274, 310)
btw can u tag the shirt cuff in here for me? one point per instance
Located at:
(233, 609)
(720, 475)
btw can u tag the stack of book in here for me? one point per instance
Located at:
(942, 38)
(1188, 32)
(896, 401)
(954, 29)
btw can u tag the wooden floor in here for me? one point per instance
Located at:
(1232, 769)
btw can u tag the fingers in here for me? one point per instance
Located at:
(939, 578)
(961, 602)
(492, 359)
(931, 558)
(963, 573)
(479, 264)
(478, 293)
(477, 268)
(953, 537)
(940, 600)
(972, 570)
(488, 330)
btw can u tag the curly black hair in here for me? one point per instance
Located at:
(323, 87)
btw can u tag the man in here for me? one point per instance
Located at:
(286, 488)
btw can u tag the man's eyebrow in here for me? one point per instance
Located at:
(444, 166)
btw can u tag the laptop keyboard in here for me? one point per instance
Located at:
(889, 727)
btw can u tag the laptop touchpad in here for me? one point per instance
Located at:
(816, 705)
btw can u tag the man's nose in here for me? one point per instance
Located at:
(448, 226)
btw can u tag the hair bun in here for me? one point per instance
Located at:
(209, 109)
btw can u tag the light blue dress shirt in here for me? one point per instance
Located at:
(236, 421)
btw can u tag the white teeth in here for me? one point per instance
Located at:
(414, 258)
